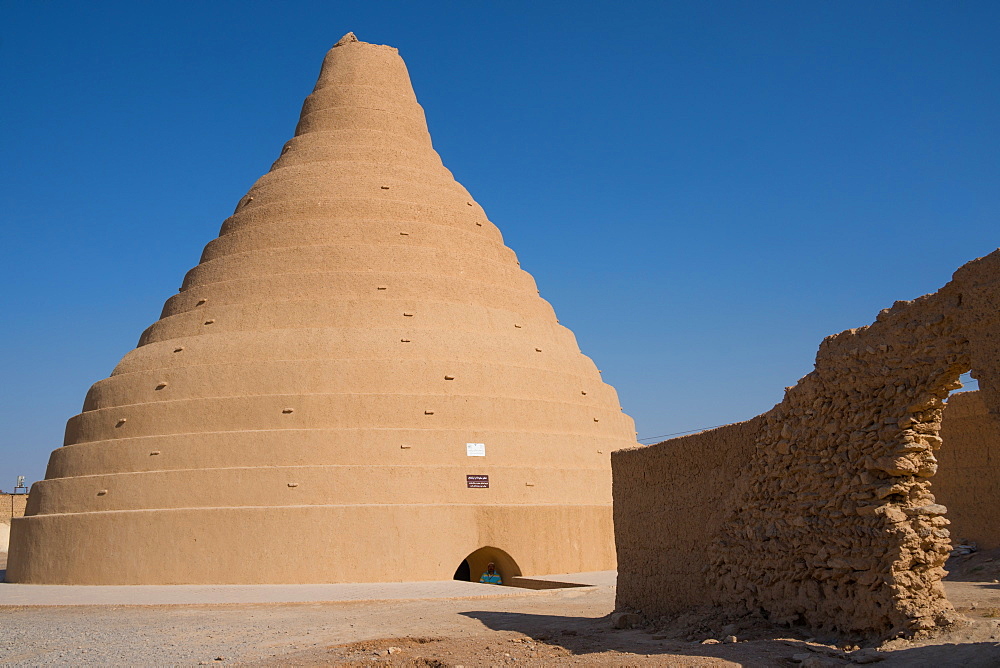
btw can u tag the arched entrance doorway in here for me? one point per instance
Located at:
(474, 565)
(463, 572)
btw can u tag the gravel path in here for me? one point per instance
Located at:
(524, 627)
(32, 595)
(187, 635)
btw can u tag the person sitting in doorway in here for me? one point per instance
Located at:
(491, 576)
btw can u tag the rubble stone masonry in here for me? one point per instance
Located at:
(819, 511)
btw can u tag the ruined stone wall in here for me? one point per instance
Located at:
(831, 522)
(968, 477)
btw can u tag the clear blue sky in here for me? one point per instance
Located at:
(703, 190)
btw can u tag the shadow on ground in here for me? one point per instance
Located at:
(981, 566)
(588, 635)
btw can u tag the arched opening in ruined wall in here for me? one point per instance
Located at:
(820, 511)
(967, 481)
(837, 526)
(474, 565)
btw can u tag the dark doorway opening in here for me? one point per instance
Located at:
(463, 572)
(473, 566)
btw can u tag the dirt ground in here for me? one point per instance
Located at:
(982, 566)
(537, 628)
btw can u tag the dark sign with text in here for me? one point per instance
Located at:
(477, 480)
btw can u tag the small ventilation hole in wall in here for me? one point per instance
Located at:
(469, 203)
(600, 452)
(385, 187)
(517, 325)
(597, 419)
(287, 411)
(404, 234)
(209, 322)
(381, 287)
(408, 315)
(529, 484)
(428, 412)
(102, 492)
(479, 224)
(538, 350)
(177, 350)
(161, 385)
(449, 378)
(154, 453)
(404, 340)
(404, 446)
(201, 302)
(293, 484)
(120, 423)
(583, 392)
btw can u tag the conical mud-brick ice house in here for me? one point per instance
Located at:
(315, 403)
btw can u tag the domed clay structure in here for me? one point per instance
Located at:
(309, 407)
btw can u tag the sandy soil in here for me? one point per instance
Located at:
(536, 628)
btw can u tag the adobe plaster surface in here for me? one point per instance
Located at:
(11, 506)
(301, 411)
(967, 482)
(819, 511)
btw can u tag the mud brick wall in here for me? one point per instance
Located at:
(12, 505)
(664, 524)
(830, 521)
(968, 477)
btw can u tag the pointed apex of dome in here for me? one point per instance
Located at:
(346, 39)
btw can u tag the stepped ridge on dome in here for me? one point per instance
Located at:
(311, 390)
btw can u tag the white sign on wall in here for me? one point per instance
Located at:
(475, 449)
